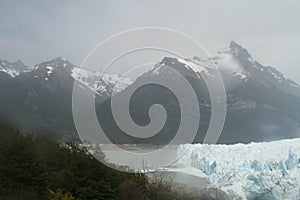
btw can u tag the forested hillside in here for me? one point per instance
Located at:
(35, 167)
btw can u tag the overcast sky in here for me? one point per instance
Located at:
(36, 31)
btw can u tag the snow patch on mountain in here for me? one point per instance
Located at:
(256, 170)
(11, 72)
(294, 85)
(235, 64)
(103, 84)
(100, 83)
(49, 70)
(191, 65)
(13, 68)
(8, 68)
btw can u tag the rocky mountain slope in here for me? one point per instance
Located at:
(40, 99)
(262, 104)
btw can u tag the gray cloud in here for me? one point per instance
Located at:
(39, 30)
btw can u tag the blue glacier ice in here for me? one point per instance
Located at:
(269, 170)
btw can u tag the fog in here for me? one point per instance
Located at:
(36, 31)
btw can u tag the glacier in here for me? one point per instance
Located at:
(267, 170)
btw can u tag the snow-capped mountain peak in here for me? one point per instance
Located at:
(186, 66)
(236, 60)
(60, 70)
(227, 60)
(237, 50)
(13, 68)
(235, 64)
(58, 62)
(58, 66)
(6, 67)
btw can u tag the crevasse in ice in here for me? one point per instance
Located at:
(269, 170)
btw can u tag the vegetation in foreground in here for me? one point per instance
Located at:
(35, 167)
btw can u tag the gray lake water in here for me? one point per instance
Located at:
(142, 158)
(163, 163)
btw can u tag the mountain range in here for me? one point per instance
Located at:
(262, 104)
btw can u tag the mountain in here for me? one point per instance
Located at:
(262, 104)
(12, 68)
(41, 99)
(250, 70)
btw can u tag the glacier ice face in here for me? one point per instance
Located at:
(257, 170)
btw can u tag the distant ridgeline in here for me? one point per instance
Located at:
(262, 104)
